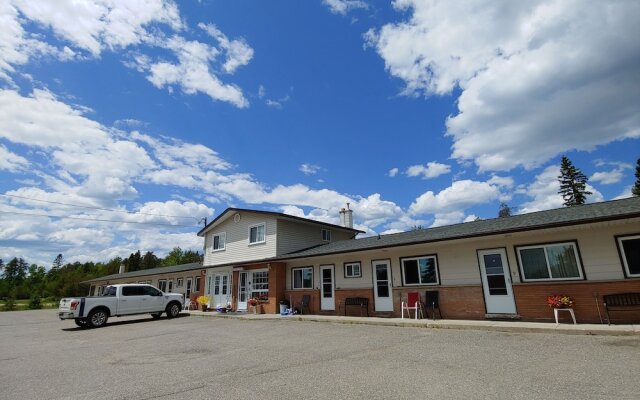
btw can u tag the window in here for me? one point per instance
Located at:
(162, 285)
(179, 282)
(260, 286)
(352, 270)
(150, 291)
(109, 291)
(630, 252)
(420, 270)
(219, 240)
(554, 261)
(256, 233)
(132, 291)
(326, 235)
(302, 278)
(196, 288)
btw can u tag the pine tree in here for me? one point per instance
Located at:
(635, 190)
(505, 210)
(572, 184)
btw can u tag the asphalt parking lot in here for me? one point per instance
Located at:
(200, 358)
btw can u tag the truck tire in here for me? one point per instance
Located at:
(81, 322)
(156, 315)
(97, 317)
(173, 309)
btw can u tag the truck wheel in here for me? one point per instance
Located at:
(173, 309)
(97, 318)
(156, 315)
(81, 322)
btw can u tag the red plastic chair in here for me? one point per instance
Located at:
(413, 303)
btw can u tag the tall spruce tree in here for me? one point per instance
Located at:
(635, 190)
(572, 184)
(505, 210)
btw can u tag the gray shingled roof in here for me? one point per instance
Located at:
(609, 210)
(146, 272)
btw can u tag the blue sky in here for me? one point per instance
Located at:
(123, 124)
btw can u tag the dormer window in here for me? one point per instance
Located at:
(326, 235)
(219, 240)
(256, 233)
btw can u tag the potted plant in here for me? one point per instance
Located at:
(253, 302)
(560, 301)
(203, 301)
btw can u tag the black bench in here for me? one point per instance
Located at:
(361, 302)
(620, 302)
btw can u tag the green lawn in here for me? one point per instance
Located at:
(24, 305)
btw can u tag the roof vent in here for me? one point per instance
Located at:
(346, 217)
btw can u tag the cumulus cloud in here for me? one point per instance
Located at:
(536, 78)
(393, 172)
(342, 7)
(457, 197)
(431, 170)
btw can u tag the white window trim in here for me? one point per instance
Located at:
(293, 278)
(620, 239)
(328, 231)
(254, 226)
(352, 264)
(404, 277)
(220, 234)
(574, 245)
(179, 282)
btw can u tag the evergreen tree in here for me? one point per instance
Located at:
(635, 190)
(149, 261)
(15, 271)
(505, 210)
(572, 184)
(133, 262)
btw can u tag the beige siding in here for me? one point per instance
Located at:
(237, 247)
(295, 236)
(458, 262)
(155, 278)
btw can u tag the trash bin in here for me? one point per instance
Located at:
(284, 307)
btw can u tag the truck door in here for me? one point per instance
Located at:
(152, 300)
(130, 300)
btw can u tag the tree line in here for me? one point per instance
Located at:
(21, 280)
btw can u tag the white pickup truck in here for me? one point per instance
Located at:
(119, 300)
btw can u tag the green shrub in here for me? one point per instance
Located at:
(35, 303)
(10, 304)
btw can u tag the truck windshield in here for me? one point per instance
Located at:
(109, 291)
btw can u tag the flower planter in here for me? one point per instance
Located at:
(204, 307)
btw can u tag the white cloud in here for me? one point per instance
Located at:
(393, 172)
(610, 177)
(10, 161)
(457, 197)
(536, 78)
(309, 169)
(238, 52)
(343, 6)
(544, 192)
(431, 170)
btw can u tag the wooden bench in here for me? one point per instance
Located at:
(361, 302)
(620, 302)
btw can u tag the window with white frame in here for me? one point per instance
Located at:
(630, 252)
(162, 285)
(552, 261)
(302, 278)
(260, 285)
(326, 235)
(352, 270)
(421, 270)
(218, 241)
(196, 288)
(256, 233)
(179, 282)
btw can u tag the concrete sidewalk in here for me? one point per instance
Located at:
(498, 326)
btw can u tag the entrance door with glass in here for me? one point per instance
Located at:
(496, 282)
(221, 290)
(382, 285)
(243, 290)
(327, 295)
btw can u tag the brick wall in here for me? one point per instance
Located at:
(531, 300)
(295, 296)
(456, 302)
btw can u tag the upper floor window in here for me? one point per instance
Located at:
(630, 253)
(352, 270)
(302, 278)
(326, 235)
(218, 241)
(419, 270)
(553, 261)
(256, 233)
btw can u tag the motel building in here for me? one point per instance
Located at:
(501, 268)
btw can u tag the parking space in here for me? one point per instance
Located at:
(201, 358)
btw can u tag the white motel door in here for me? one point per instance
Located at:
(382, 285)
(243, 290)
(327, 295)
(496, 282)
